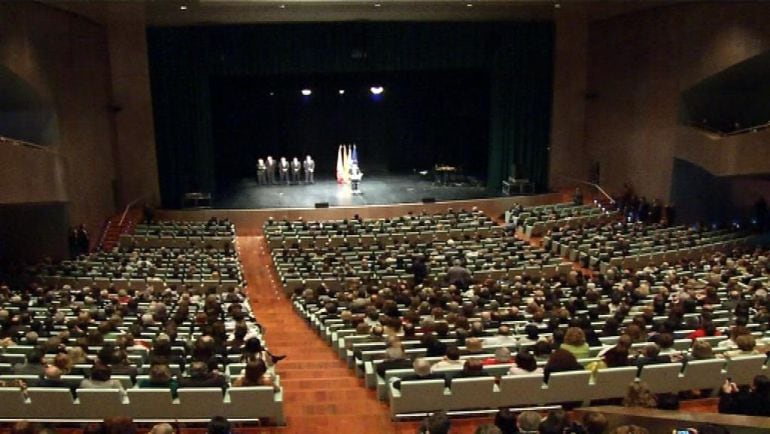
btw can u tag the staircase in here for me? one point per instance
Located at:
(116, 226)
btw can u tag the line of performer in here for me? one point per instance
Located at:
(288, 172)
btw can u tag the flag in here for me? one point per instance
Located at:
(340, 166)
(354, 155)
(345, 164)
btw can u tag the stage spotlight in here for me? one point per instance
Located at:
(183, 8)
(376, 90)
(307, 92)
(341, 91)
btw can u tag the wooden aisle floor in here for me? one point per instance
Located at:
(321, 395)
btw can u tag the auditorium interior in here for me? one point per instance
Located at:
(384, 216)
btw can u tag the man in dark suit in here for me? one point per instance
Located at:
(283, 171)
(201, 377)
(52, 378)
(34, 365)
(458, 275)
(472, 368)
(395, 358)
(309, 166)
(296, 168)
(270, 164)
(651, 356)
(421, 372)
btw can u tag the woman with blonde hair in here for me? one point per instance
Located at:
(575, 343)
(639, 395)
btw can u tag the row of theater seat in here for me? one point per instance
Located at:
(241, 403)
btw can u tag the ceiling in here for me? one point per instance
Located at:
(212, 12)
(169, 13)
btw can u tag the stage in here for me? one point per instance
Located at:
(376, 190)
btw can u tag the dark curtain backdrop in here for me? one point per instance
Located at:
(517, 59)
(421, 119)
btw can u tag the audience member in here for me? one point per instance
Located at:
(753, 401)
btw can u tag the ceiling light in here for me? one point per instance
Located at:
(341, 91)
(377, 5)
(376, 90)
(307, 92)
(470, 5)
(183, 8)
(282, 6)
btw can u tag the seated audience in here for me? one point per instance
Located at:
(255, 374)
(101, 379)
(219, 425)
(639, 395)
(575, 343)
(451, 360)
(437, 423)
(595, 422)
(421, 372)
(52, 378)
(528, 422)
(502, 355)
(160, 378)
(199, 376)
(35, 364)
(525, 364)
(753, 401)
(561, 361)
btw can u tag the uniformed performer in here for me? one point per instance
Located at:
(270, 170)
(296, 169)
(261, 172)
(283, 171)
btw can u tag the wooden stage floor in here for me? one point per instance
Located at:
(376, 190)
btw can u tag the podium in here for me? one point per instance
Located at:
(517, 187)
(196, 200)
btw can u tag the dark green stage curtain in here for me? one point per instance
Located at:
(520, 112)
(182, 61)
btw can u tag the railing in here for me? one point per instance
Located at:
(128, 208)
(16, 142)
(592, 184)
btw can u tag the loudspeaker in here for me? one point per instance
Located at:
(322, 205)
(428, 200)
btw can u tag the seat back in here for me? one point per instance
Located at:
(568, 386)
(151, 404)
(254, 402)
(704, 374)
(612, 382)
(743, 369)
(521, 390)
(418, 396)
(662, 378)
(101, 403)
(471, 393)
(55, 402)
(14, 404)
(200, 402)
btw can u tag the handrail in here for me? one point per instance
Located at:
(128, 207)
(17, 142)
(592, 184)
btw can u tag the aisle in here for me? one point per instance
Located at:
(321, 395)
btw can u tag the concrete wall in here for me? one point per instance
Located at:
(64, 58)
(637, 66)
(568, 116)
(90, 62)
